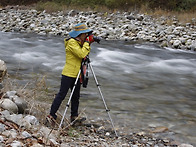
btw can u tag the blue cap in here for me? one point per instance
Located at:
(79, 29)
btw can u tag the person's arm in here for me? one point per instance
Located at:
(77, 50)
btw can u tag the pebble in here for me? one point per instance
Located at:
(185, 145)
(3, 70)
(111, 26)
(107, 134)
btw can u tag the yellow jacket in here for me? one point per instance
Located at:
(75, 52)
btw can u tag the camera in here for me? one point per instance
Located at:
(97, 39)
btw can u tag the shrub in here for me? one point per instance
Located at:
(177, 5)
(17, 2)
(49, 6)
(185, 5)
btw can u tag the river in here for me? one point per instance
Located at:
(143, 85)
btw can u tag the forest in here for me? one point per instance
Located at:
(166, 5)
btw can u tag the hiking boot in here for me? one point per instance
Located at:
(50, 122)
(75, 120)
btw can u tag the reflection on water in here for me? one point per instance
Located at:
(144, 85)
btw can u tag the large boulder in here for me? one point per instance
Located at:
(21, 104)
(9, 105)
(3, 70)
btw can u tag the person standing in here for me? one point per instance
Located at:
(77, 47)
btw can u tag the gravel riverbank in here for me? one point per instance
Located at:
(113, 26)
(25, 130)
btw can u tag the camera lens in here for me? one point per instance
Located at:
(97, 39)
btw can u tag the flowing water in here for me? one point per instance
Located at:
(143, 85)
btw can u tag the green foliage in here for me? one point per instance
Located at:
(17, 2)
(185, 4)
(111, 3)
(64, 2)
(162, 4)
(177, 5)
(122, 4)
(86, 3)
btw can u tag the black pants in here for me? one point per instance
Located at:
(66, 83)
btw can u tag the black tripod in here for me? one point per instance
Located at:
(87, 62)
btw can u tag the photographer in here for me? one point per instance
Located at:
(77, 47)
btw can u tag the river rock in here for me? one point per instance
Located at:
(12, 133)
(16, 144)
(21, 104)
(2, 128)
(10, 94)
(193, 46)
(131, 17)
(31, 120)
(44, 131)
(1, 139)
(9, 105)
(15, 118)
(3, 70)
(25, 135)
(1, 86)
(176, 43)
(5, 114)
(140, 17)
(160, 129)
(54, 143)
(185, 145)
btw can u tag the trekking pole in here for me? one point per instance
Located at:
(98, 86)
(69, 100)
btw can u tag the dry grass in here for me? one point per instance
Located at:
(182, 17)
(54, 7)
(34, 93)
(186, 17)
(48, 6)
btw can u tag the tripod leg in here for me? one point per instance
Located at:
(69, 100)
(107, 110)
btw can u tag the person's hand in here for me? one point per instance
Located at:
(90, 39)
